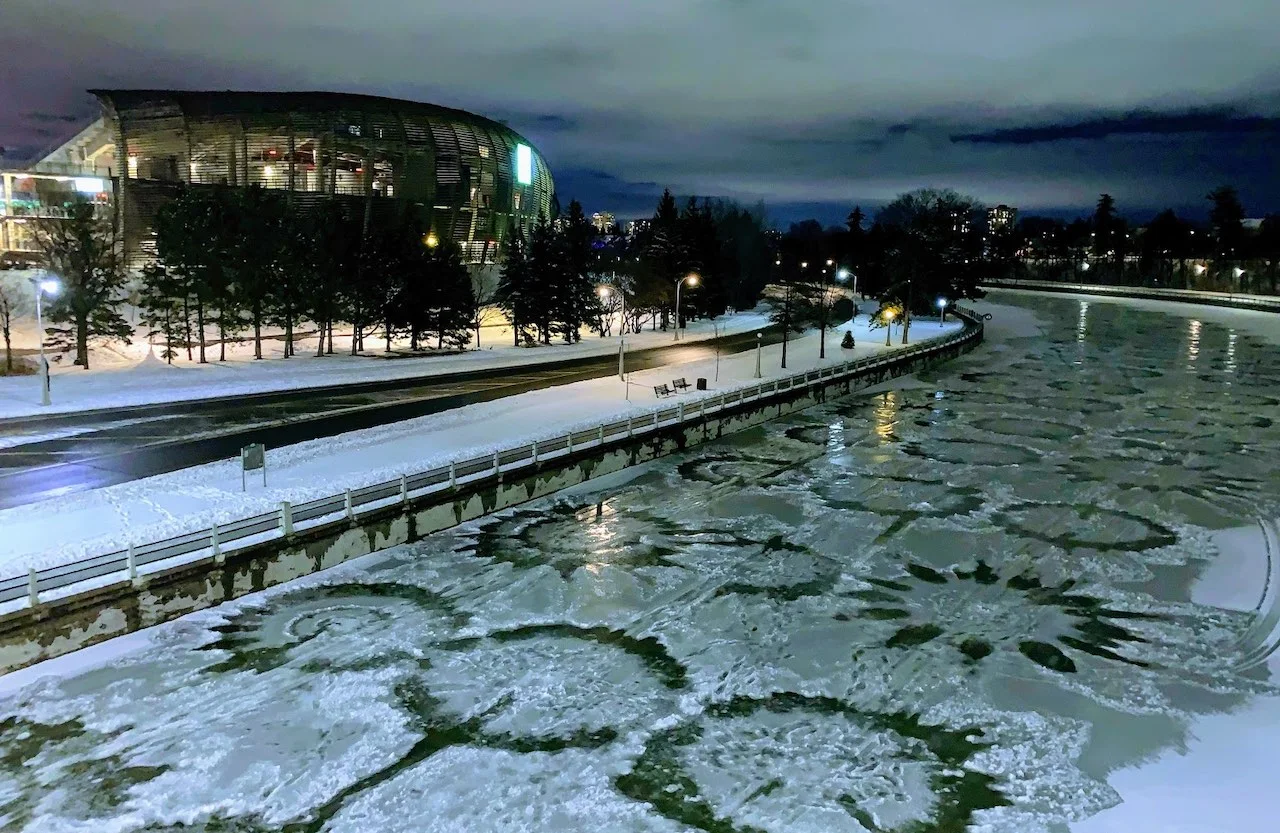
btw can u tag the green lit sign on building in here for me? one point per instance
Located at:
(524, 164)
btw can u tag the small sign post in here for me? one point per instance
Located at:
(253, 457)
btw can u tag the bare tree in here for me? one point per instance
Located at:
(12, 304)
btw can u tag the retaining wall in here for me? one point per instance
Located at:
(56, 627)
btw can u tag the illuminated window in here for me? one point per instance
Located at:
(484, 152)
(524, 164)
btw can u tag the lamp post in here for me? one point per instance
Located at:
(759, 343)
(888, 327)
(605, 293)
(692, 280)
(45, 286)
(942, 310)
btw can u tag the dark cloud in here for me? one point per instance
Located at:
(806, 104)
(1162, 124)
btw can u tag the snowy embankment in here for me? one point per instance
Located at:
(151, 509)
(1171, 793)
(134, 375)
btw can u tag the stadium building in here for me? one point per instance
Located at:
(475, 177)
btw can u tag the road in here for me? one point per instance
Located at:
(58, 455)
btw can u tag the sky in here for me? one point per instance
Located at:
(810, 106)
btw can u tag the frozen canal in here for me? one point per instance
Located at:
(965, 604)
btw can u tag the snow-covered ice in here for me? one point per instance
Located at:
(989, 599)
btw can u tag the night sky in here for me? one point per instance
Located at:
(809, 105)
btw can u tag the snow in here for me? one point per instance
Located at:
(134, 375)
(193, 499)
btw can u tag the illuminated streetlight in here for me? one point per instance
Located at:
(431, 241)
(46, 286)
(888, 326)
(942, 310)
(691, 279)
(605, 294)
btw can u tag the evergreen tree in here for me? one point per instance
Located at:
(85, 254)
(515, 287)
(331, 246)
(1109, 237)
(1226, 221)
(451, 299)
(575, 295)
(546, 268)
(161, 299)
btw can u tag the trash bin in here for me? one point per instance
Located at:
(702, 383)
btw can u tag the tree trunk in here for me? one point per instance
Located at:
(222, 340)
(257, 329)
(329, 351)
(288, 332)
(186, 323)
(320, 342)
(200, 328)
(8, 350)
(82, 341)
(386, 330)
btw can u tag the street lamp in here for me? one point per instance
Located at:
(759, 344)
(942, 310)
(605, 293)
(43, 286)
(888, 326)
(692, 280)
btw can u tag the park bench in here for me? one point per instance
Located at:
(662, 390)
(680, 385)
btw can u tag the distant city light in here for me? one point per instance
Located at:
(524, 164)
(269, 170)
(89, 185)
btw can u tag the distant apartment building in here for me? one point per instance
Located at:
(603, 221)
(1001, 217)
(635, 227)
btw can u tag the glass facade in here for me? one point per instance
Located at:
(474, 176)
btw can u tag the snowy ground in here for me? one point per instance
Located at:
(143, 511)
(986, 600)
(133, 375)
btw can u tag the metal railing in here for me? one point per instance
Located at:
(1195, 296)
(446, 477)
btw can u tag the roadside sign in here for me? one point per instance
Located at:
(253, 457)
